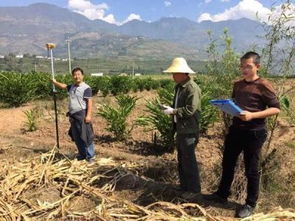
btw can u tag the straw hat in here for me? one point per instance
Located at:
(179, 65)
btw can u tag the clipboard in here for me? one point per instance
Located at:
(227, 106)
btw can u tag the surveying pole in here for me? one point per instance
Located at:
(50, 47)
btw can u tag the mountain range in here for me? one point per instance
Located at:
(27, 29)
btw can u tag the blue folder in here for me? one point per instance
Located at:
(227, 106)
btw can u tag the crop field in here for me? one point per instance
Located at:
(134, 176)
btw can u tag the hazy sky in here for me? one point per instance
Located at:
(120, 11)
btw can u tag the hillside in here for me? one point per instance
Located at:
(27, 29)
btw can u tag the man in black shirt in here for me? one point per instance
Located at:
(247, 134)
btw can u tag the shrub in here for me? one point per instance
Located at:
(43, 85)
(101, 84)
(139, 84)
(16, 88)
(120, 85)
(116, 117)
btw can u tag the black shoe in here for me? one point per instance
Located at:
(80, 157)
(245, 211)
(215, 198)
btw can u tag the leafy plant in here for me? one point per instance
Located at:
(209, 113)
(16, 88)
(101, 84)
(279, 52)
(116, 117)
(120, 84)
(31, 122)
(157, 120)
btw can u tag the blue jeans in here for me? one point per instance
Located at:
(84, 151)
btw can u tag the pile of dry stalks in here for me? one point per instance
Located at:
(74, 178)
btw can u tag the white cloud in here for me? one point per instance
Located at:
(244, 9)
(208, 1)
(91, 11)
(97, 11)
(131, 17)
(225, 0)
(167, 3)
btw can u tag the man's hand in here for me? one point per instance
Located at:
(58, 84)
(168, 110)
(87, 119)
(246, 116)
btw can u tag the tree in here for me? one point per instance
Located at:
(280, 35)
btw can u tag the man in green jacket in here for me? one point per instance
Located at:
(185, 112)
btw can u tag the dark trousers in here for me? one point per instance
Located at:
(187, 163)
(250, 143)
(86, 152)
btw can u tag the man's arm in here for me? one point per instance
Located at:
(89, 110)
(247, 116)
(270, 99)
(59, 84)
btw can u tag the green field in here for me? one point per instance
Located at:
(107, 66)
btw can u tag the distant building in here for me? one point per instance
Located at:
(19, 56)
(2, 56)
(97, 74)
(57, 59)
(64, 59)
(40, 57)
(137, 74)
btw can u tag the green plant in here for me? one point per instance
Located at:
(31, 122)
(225, 66)
(17, 88)
(120, 84)
(139, 84)
(116, 117)
(157, 120)
(286, 106)
(209, 113)
(212, 66)
(279, 52)
(166, 84)
(229, 59)
(99, 84)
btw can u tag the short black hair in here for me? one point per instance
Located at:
(77, 69)
(251, 54)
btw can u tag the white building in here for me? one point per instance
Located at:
(97, 74)
(19, 56)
